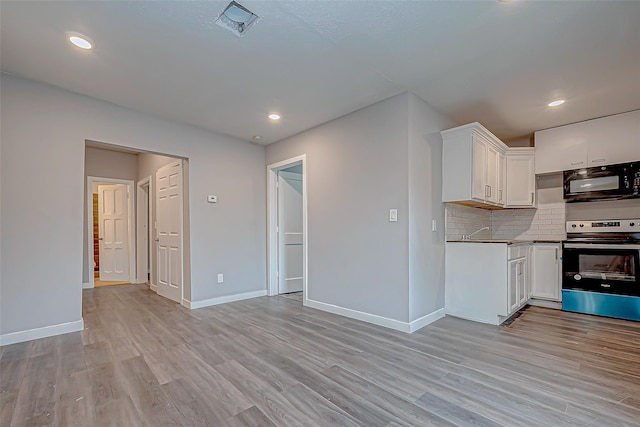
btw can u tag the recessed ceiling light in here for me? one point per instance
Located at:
(556, 103)
(274, 116)
(83, 42)
(257, 137)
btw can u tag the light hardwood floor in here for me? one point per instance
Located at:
(144, 360)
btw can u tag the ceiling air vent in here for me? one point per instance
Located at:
(237, 19)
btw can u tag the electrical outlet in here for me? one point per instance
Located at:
(220, 277)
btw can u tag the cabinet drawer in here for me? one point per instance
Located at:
(516, 251)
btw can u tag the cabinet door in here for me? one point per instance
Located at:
(502, 181)
(522, 282)
(479, 175)
(561, 148)
(521, 183)
(546, 271)
(493, 174)
(614, 139)
(512, 293)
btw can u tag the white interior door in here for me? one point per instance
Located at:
(113, 232)
(290, 238)
(169, 234)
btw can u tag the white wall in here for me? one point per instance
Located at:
(426, 248)
(356, 172)
(149, 163)
(43, 138)
(387, 155)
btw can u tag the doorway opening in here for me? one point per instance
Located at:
(111, 231)
(143, 196)
(287, 209)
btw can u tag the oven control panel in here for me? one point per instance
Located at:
(604, 226)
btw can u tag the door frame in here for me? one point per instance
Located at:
(272, 223)
(130, 224)
(144, 213)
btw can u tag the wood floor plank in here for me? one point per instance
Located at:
(143, 360)
(37, 396)
(147, 395)
(252, 417)
(198, 409)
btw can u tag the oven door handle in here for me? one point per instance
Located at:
(601, 246)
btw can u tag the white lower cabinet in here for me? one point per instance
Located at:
(486, 282)
(546, 262)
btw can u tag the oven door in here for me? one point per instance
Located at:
(605, 268)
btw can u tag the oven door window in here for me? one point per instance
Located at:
(614, 271)
(607, 267)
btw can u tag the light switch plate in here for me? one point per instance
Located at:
(393, 215)
(434, 225)
(220, 278)
(212, 199)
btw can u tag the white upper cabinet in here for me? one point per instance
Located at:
(604, 141)
(502, 180)
(521, 184)
(472, 166)
(614, 139)
(479, 176)
(493, 174)
(561, 148)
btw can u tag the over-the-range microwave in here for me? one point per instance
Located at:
(621, 181)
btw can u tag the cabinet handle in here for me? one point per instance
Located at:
(556, 252)
(489, 190)
(532, 196)
(500, 193)
(486, 191)
(576, 163)
(598, 160)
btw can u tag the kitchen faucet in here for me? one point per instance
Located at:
(468, 236)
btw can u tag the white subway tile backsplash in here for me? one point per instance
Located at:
(462, 220)
(546, 222)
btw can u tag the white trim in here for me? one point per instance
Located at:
(87, 285)
(545, 303)
(46, 331)
(132, 229)
(423, 321)
(221, 300)
(375, 319)
(272, 222)
(143, 251)
(153, 287)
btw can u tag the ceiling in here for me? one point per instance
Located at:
(498, 63)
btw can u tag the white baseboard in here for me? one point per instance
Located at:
(375, 319)
(221, 300)
(46, 331)
(545, 303)
(423, 321)
(153, 287)
(87, 285)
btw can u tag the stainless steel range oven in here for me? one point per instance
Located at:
(601, 268)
